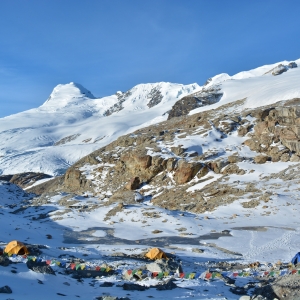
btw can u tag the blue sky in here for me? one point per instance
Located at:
(111, 45)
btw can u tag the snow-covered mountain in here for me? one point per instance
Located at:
(73, 122)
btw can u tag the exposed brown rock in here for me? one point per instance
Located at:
(260, 159)
(186, 171)
(133, 184)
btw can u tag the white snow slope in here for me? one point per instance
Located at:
(73, 116)
(72, 112)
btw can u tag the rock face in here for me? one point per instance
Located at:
(279, 70)
(164, 165)
(74, 179)
(206, 97)
(24, 180)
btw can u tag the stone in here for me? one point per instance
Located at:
(39, 267)
(203, 171)
(133, 184)
(134, 287)
(73, 179)
(231, 169)
(260, 159)
(107, 284)
(232, 159)
(24, 179)
(292, 65)
(4, 261)
(279, 69)
(295, 158)
(178, 150)
(287, 287)
(186, 171)
(285, 157)
(5, 290)
(168, 285)
(243, 130)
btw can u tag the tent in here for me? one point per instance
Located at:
(296, 259)
(16, 247)
(156, 253)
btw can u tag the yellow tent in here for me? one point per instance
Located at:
(156, 253)
(16, 247)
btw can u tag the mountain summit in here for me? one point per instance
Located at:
(65, 94)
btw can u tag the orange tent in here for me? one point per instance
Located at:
(156, 253)
(16, 247)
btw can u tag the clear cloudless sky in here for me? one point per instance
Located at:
(112, 45)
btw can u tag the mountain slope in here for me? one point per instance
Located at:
(73, 123)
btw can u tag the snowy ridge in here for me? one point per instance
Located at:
(72, 123)
(258, 86)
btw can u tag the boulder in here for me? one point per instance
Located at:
(4, 261)
(234, 159)
(186, 171)
(74, 180)
(292, 65)
(217, 165)
(243, 130)
(260, 159)
(231, 169)
(285, 157)
(203, 171)
(133, 184)
(178, 150)
(295, 158)
(287, 287)
(168, 285)
(279, 69)
(39, 267)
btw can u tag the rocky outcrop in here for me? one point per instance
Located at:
(74, 180)
(279, 69)
(24, 180)
(205, 97)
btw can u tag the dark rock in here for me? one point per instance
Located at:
(183, 106)
(26, 179)
(4, 261)
(107, 284)
(134, 287)
(40, 267)
(279, 70)
(78, 274)
(133, 184)
(169, 285)
(5, 290)
(292, 65)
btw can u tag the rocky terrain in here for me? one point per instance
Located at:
(211, 180)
